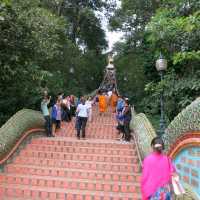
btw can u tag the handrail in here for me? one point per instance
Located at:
(135, 139)
(138, 121)
(137, 149)
(16, 129)
(25, 135)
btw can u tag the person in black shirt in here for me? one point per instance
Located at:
(127, 118)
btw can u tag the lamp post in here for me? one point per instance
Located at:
(71, 79)
(161, 66)
(71, 70)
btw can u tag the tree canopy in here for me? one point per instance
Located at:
(59, 45)
(154, 27)
(40, 42)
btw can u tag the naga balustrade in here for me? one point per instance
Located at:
(182, 144)
(182, 138)
(17, 129)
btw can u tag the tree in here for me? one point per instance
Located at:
(170, 27)
(37, 52)
(177, 36)
(85, 27)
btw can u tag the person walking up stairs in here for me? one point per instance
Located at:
(64, 168)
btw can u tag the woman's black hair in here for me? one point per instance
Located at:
(157, 140)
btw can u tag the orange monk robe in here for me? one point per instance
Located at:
(102, 103)
(114, 99)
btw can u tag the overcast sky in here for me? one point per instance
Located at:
(112, 37)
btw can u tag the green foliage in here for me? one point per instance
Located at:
(170, 27)
(174, 34)
(130, 77)
(37, 50)
(178, 37)
(28, 38)
(133, 15)
(84, 25)
(90, 26)
(181, 57)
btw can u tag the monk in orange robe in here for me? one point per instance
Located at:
(113, 101)
(102, 103)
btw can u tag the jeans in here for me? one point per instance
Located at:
(127, 130)
(47, 125)
(81, 124)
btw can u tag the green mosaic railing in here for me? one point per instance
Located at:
(16, 126)
(186, 121)
(143, 131)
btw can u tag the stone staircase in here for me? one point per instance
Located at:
(64, 168)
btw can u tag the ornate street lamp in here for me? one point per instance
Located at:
(71, 70)
(161, 66)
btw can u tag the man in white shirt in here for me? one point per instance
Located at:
(82, 114)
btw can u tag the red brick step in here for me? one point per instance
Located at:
(55, 193)
(73, 173)
(83, 149)
(105, 144)
(67, 183)
(122, 167)
(64, 168)
(78, 156)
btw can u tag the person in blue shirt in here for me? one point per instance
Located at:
(56, 116)
(120, 104)
(119, 116)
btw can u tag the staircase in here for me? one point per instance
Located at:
(64, 168)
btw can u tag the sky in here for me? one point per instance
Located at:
(112, 37)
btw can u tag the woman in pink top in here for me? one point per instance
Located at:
(157, 173)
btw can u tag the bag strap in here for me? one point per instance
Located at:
(178, 185)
